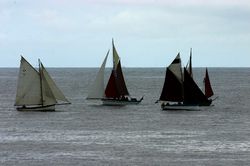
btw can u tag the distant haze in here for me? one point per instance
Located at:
(147, 33)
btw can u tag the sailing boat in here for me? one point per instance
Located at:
(36, 90)
(180, 92)
(116, 92)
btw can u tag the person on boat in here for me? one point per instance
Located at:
(124, 98)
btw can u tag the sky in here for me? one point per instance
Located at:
(147, 33)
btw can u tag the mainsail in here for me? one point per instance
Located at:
(111, 90)
(208, 88)
(116, 86)
(28, 86)
(192, 93)
(120, 81)
(97, 90)
(173, 85)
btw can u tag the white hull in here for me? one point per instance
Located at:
(113, 102)
(181, 107)
(37, 108)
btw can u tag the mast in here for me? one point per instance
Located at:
(41, 81)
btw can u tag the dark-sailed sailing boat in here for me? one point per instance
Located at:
(180, 92)
(36, 90)
(116, 92)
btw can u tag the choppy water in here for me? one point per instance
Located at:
(90, 134)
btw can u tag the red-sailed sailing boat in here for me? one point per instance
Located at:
(180, 92)
(116, 92)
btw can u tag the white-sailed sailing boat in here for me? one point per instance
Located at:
(116, 92)
(180, 92)
(36, 90)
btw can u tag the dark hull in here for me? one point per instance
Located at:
(180, 107)
(120, 102)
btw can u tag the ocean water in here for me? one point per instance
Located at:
(87, 133)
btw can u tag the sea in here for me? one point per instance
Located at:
(88, 133)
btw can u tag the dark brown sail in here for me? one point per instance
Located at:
(116, 87)
(208, 88)
(192, 93)
(111, 90)
(172, 88)
(120, 82)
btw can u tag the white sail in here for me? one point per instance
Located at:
(52, 92)
(97, 90)
(175, 67)
(28, 87)
(115, 56)
(47, 94)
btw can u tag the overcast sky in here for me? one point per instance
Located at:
(147, 33)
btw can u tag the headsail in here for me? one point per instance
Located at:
(208, 88)
(97, 90)
(52, 92)
(173, 85)
(28, 86)
(47, 95)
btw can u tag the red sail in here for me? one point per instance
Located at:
(208, 88)
(111, 91)
(172, 88)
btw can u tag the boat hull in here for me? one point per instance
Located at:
(181, 107)
(115, 102)
(37, 108)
